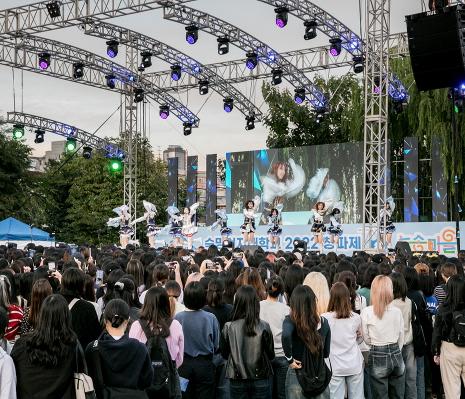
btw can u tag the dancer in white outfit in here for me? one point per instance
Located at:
(122, 221)
(189, 227)
(248, 227)
(318, 226)
(222, 222)
(149, 217)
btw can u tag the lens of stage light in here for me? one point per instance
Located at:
(299, 95)
(111, 81)
(116, 165)
(192, 34)
(39, 136)
(336, 46)
(250, 122)
(175, 72)
(281, 16)
(146, 59)
(359, 62)
(18, 132)
(70, 145)
(223, 45)
(87, 152)
(228, 104)
(138, 95)
(78, 70)
(203, 87)
(310, 29)
(164, 111)
(112, 48)
(252, 60)
(277, 76)
(187, 128)
(44, 60)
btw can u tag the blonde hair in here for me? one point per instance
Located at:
(422, 268)
(319, 285)
(381, 295)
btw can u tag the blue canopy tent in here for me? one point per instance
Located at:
(12, 230)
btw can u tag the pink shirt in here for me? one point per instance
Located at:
(175, 341)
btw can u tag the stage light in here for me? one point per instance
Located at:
(299, 95)
(187, 128)
(18, 132)
(310, 29)
(176, 72)
(141, 68)
(78, 70)
(112, 48)
(53, 9)
(277, 76)
(250, 122)
(228, 104)
(223, 45)
(203, 87)
(39, 136)
(115, 165)
(70, 145)
(282, 15)
(44, 60)
(87, 152)
(111, 81)
(336, 46)
(146, 59)
(252, 60)
(359, 62)
(320, 115)
(192, 34)
(138, 95)
(164, 111)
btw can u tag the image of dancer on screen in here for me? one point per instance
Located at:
(122, 221)
(283, 181)
(275, 231)
(322, 188)
(175, 223)
(335, 226)
(318, 226)
(248, 227)
(386, 220)
(222, 223)
(189, 223)
(149, 217)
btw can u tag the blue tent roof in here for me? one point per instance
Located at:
(14, 230)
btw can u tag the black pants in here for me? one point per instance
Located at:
(200, 372)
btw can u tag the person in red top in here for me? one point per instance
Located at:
(15, 313)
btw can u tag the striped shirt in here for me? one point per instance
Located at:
(15, 315)
(440, 293)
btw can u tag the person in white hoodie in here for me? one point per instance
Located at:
(7, 366)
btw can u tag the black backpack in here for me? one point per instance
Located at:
(458, 336)
(315, 375)
(164, 369)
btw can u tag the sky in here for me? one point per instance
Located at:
(87, 107)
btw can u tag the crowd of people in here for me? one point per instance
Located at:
(224, 323)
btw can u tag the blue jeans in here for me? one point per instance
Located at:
(421, 388)
(245, 389)
(280, 366)
(294, 390)
(387, 372)
(410, 372)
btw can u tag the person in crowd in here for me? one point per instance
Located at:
(404, 304)
(89, 294)
(136, 270)
(274, 312)
(7, 366)
(174, 292)
(345, 355)
(294, 277)
(370, 273)
(319, 285)
(383, 330)
(125, 289)
(45, 360)
(15, 313)
(40, 290)
(201, 342)
(304, 329)
(115, 360)
(247, 343)
(446, 271)
(449, 355)
(251, 276)
(357, 301)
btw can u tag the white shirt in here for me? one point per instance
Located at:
(406, 309)
(345, 355)
(386, 331)
(274, 313)
(7, 376)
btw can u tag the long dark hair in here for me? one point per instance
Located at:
(125, 289)
(349, 279)
(305, 317)
(247, 306)
(455, 298)
(215, 293)
(50, 341)
(40, 290)
(156, 311)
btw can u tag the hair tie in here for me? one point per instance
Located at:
(119, 286)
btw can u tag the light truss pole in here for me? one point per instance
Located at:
(376, 118)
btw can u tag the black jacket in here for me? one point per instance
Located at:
(247, 357)
(443, 327)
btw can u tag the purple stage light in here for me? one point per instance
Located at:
(280, 23)
(190, 39)
(43, 64)
(44, 60)
(164, 111)
(298, 100)
(164, 115)
(334, 52)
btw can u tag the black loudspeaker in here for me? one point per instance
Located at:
(403, 249)
(251, 248)
(436, 45)
(300, 246)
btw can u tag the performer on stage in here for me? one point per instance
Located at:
(189, 227)
(335, 226)
(248, 227)
(222, 221)
(176, 225)
(122, 221)
(386, 220)
(318, 226)
(149, 217)
(275, 231)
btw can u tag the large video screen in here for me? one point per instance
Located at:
(298, 178)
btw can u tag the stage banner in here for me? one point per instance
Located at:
(439, 182)
(211, 189)
(191, 180)
(411, 212)
(173, 181)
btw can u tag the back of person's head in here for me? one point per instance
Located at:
(426, 282)
(5, 291)
(275, 286)
(156, 310)
(370, 273)
(72, 283)
(381, 295)
(40, 290)
(160, 275)
(317, 282)
(136, 270)
(411, 278)
(294, 277)
(399, 286)
(125, 289)
(173, 289)
(247, 306)
(455, 298)
(116, 313)
(251, 276)
(339, 301)
(3, 321)
(195, 296)
(215, 293)
(348, 278)
(422, 268)
(89, 291)
(448, 270)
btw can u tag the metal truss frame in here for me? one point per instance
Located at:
(66, 130)
(270, 57)
(307, 60)
(23, 53)
(34, 18)
(193, 68)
